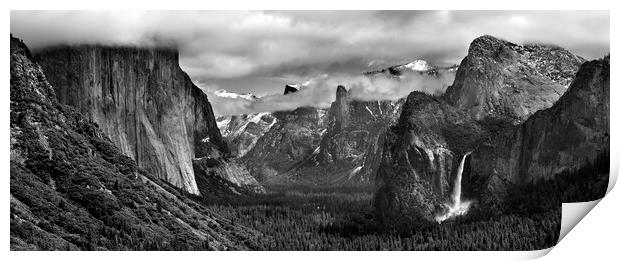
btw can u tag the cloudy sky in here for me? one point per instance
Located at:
(260, 51)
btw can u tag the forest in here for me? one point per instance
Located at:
(341, 218)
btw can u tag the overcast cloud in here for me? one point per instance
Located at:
(258, 52)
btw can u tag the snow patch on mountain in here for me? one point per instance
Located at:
(418, 66)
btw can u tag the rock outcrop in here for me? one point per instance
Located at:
(502, 81)
(290, 89)
(72, 189)
(143, 101)
(420, 158)
(574, 131)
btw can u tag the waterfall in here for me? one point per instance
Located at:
(456, 194)
(456, 208)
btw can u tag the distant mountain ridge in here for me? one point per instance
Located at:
(416, 66)
(350, 137)
(243, 131)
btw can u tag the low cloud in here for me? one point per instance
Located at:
(321, 92)
(259, 51)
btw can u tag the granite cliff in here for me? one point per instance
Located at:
(143, 101)
(72, 189)
(573, 132)
(517, 110)
(421, 153)
(503, 81)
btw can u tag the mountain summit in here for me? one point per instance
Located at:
(416, 66)
(500, 80)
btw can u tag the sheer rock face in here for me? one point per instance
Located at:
(143, 101)
(69, 182)
(292, 139)
(564, 137)
(420, 156)
(503, 81)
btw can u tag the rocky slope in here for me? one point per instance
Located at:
(420, 157)
(499, 80)
(292, 139)
(72, 189)
(575, 130)
(143, 101)
(241, 132)
(349, 147)
(217, 174)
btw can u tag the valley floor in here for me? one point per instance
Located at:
(301, 218)
(341, 218)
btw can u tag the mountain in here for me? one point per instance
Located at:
(294, 137)
(421, 153)
(352, 141)
(417, 66)
(313, 146)
(501, 124)
(502, 81)
(144, 102)
(71, 188)
(567, 136)
(242, 132)
(345, 147)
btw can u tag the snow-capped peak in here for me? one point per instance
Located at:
(418, 66)
(226, 94)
